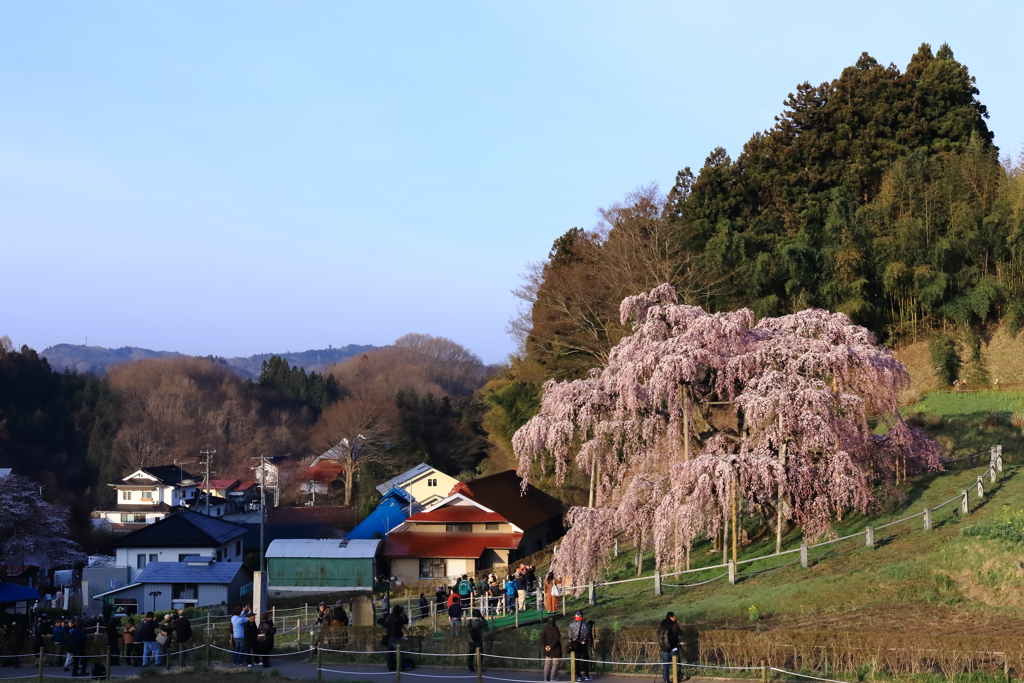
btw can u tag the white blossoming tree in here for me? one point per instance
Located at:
(697, 414)
(31, 528)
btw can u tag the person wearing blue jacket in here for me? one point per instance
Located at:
(75, 639)
(510, 593)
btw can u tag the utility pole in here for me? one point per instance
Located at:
(312, 490)
(262, 481)
(207, 456)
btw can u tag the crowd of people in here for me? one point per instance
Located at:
(493, 596)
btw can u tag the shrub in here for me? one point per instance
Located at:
(1008, 525)
(1017, 420)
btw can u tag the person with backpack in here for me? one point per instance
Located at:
(113, 638)
(464, 589)
(551, 644)
(668, 642)
(264, 640)
(475, 633)
(579, 642)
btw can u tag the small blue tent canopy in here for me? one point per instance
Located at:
(12, 592)
(392, 510)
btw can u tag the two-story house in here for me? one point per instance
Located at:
(427, 485)
(177, 536)
(147, 495)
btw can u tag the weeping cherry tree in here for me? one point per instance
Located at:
(697, 416)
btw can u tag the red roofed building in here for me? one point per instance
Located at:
(482, 523)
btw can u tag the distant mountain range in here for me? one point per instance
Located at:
(98, 358)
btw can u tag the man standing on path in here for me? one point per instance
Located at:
(476, 637)
(521, 585)
(113, 626)
(579, 642)
(183, 629)
(76, 646)
(551, 644)
(668, 641)
(146, 632)
(238, 622)
(58, 638)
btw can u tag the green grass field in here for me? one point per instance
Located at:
(912, 578)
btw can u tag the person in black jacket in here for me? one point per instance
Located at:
(475, 637)
(265, 639)
(551, 644)
(395, 632)
(252, 632)
(668, 642)
(113, 627)
(75, 639)
(183, 632)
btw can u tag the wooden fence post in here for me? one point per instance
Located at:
(657, 582)
(541, 607)
(591, 593)
(42, 655)
(675, 667)
(869, 537)
(970, 462)
(616, 547)
(981, 487)
(398, 663)
(298, 634)
(927, 519)
(572, 666)
(479, 667)
(320, 662)
(992, 474)
(963, 503)
(106, 661)
(732, 572)
(803, 555)
(209, 653)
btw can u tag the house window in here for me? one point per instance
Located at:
(140, 561)
(492, 526)
(458, 527)
(139, 519)
(127, 518)
(146, 495)
(184, 591)
(126, 495)
(238, 547)
(432, 568)
(153, 557)
(431, 482)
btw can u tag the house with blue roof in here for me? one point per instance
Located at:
(393, 509)
(195, 582)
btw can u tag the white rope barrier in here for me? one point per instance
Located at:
(844, 538)
(793, 673)
(700, 583)
(361, 673)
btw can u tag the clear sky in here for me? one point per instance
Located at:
(244, 177)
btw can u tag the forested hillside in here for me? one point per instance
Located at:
(879, 194)
(74, 433)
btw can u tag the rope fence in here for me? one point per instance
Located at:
(992, 473)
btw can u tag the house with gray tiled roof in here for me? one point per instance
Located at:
(196, 581)
(147, 495)
(176, 537)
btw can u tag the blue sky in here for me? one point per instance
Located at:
(245, 177)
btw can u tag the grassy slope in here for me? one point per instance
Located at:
(912, 579)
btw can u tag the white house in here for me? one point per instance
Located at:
(147, 495)
(424, 483)
(176, 537)
(194, 582)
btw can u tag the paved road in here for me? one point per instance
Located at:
(297, 667)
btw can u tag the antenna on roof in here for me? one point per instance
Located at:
(207, 456)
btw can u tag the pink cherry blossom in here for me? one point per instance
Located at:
(778, 413)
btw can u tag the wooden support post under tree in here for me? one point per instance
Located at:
(735, 514)
(657, 582)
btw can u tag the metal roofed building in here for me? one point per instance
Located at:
(426, 484)
(195, 582)
(392, 510)
(321, 566)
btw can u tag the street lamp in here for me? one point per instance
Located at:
(154, 594)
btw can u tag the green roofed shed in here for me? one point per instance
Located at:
(311, 566)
